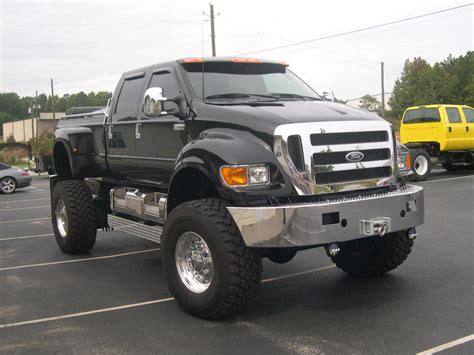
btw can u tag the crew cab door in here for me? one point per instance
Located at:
(469, 121)
(161, 138)
(120, 135)
(456, 130)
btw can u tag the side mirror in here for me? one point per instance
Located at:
(153, 102)
(110, 103)
(328, 95)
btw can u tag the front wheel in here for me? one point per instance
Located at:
(73, 216)
(208, 268)
(373, 256)
(421, 164)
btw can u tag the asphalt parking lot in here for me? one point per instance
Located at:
(115, 300)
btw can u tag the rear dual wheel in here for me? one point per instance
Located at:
(421, 165)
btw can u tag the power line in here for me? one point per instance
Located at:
(355, 31)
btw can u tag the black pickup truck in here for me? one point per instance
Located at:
(238, 159)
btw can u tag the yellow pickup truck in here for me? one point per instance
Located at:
(438, 133)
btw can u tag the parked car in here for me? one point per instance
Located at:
(438, 133)
(240, 160)
(13, 178)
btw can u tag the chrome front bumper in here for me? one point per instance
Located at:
(312, 224)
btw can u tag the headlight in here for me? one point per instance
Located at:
(245, 175)
(403, 158)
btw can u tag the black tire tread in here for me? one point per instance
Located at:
(246, 266)
(396, 248)
(81, 216)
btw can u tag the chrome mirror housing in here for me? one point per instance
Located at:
(328, 95)
(153, 102)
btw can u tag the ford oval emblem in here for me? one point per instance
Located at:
(354, 156)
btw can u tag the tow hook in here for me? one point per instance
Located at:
(333, 249)
(412, 234)
(375, 226)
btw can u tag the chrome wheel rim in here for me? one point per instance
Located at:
(8, 185)
(61, 218)
(194, 262)
(421, 165)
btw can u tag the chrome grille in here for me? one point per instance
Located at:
(325, 158)
(328, 164)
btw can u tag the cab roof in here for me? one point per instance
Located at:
(434, 106)
(143, 70)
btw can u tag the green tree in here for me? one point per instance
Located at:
(11, 104)
(448, 82)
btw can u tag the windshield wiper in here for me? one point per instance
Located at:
(283, 95)
(237, 95)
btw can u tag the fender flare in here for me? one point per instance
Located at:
(80, 148)
(223, 146)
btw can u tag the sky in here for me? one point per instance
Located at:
(86, 45)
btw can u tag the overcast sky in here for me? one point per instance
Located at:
(86, 45)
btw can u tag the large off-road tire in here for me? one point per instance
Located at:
(421, 164)
(208, 268)
(8, 185)
(73, 216)
(373, 256)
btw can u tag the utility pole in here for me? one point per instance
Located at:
(213, 34)
(36, 108)
(382, 113)
(52, 105)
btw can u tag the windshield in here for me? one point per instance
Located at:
(247, 81)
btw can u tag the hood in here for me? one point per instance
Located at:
(266, 117)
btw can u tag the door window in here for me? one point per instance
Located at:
(129, 98)
(453, 115)
(469, 113)
(167, 82)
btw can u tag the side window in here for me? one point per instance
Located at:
(469, 113)
(453, 115)
(422, 115)
(167, 82)
(129, 99)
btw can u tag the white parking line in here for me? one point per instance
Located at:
(453, 178)
(21, 208)
(74, 315)
(78, 260)
(298, 273)
(25, 220)
(133, 305)
(447, 345)
(16, 201)
(27, 237)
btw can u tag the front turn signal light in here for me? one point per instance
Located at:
(408, 161)
(235, 175)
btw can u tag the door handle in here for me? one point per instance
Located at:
(109, 131)
(467, 128)
(138, 130)
(450, 129)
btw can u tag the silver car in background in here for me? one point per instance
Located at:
(13, 178)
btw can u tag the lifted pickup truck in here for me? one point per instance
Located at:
(239, 160)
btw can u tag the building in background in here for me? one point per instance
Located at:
(24, 130)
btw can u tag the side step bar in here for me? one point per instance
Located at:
(149, 206)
